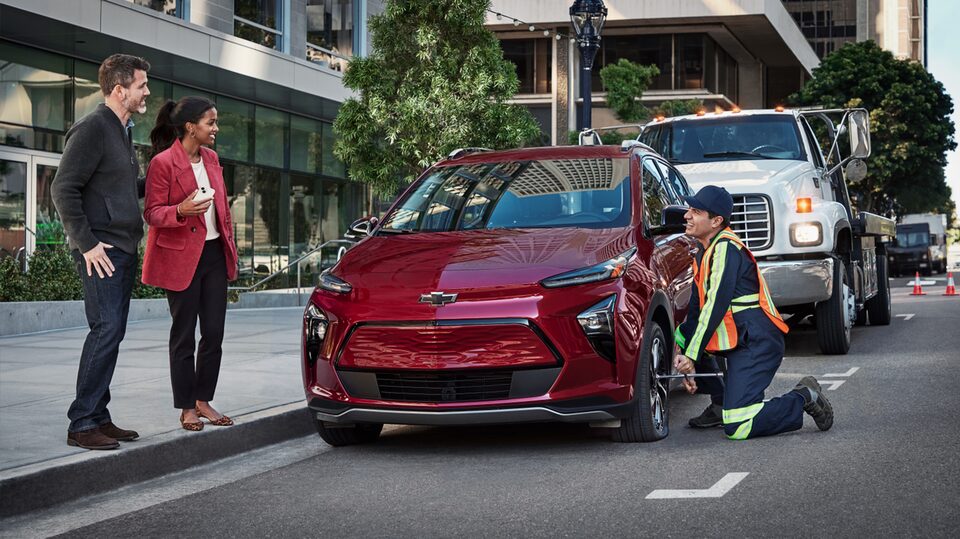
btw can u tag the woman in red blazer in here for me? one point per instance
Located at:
(190, 250)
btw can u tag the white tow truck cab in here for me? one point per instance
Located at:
(792, 208)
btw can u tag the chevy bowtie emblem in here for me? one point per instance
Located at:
(438, 299)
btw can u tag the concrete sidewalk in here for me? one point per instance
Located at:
(259, 387)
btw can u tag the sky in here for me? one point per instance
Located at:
(943, 44)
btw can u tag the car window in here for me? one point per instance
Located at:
(649, 136)
(585, 193)
(676, 182)
(655, 194)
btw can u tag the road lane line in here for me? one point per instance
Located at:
(842, 375)
(905, 316)
(723, 486)
(834, 384)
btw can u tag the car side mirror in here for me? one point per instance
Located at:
(361, 228)
(671, 221)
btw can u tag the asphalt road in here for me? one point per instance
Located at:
(890, 467)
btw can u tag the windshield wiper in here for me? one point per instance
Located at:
(738, 154)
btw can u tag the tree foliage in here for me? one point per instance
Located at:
(910, 126)
(625, 83)
(678, 107)
(435, 81)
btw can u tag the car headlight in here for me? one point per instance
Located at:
(334, 284)
(597, 323)
(611, 269)
(806, 234)
(315, 329)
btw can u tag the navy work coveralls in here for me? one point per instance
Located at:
(757, 356)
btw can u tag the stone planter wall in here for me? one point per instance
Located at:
(18, 317)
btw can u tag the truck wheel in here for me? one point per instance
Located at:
(360, 433)
(835, 316)
(879, 306)
(649, 420)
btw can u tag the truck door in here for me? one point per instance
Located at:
(826, 192)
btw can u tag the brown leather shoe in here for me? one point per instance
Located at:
(118, 434)
(91, 439)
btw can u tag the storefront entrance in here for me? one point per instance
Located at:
(28, 219)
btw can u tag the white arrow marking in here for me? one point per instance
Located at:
(834, 384)
(843, 375)
(722, 487)
(905, 316)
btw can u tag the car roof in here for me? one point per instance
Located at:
(545, 153)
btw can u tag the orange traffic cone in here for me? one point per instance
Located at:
(951, 289)
(917, 289)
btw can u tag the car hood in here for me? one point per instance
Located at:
(747, 176)
(477, 259)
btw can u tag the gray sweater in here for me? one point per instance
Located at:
(97, 187)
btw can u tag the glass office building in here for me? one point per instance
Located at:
(287, 191)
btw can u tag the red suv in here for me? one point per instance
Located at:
(528, 285)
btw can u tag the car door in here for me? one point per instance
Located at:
(672, 252)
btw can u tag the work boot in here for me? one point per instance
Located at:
(815, 403)
(115, 432)
(712, 416)
(91, 439)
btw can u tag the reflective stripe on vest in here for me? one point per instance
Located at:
(725, 337)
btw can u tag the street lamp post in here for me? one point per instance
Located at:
(587, 17)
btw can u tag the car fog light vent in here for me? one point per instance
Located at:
(315, 329)
(597, 322)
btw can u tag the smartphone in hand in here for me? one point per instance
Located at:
(204, 194)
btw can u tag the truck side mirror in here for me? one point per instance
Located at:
(361, 227)
(858, 128)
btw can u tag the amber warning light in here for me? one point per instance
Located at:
(804, 205)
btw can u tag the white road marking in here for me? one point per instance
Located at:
(721, 487)
(834, 384)
(930, 282)
(842, 375)
(905, 316)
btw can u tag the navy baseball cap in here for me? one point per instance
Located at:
(713, 199)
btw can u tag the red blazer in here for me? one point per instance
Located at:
(174, 243)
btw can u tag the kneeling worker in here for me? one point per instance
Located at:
(731, 314)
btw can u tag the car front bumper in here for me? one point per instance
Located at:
(798, 282)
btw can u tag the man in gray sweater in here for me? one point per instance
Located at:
(96, 191)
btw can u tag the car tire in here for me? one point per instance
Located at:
(879, 306)
(649, 421)
(361, 433)
(833, 317)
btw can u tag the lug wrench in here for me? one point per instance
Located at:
(697, 375)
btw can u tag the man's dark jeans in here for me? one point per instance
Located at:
(107, 302)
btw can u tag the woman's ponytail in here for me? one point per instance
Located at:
(165, 130)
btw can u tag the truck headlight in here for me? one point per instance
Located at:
(806, 234)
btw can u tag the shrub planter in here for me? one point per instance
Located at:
(18, 317)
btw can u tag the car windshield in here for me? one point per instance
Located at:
(734, 138)
(583, 193)
(912, 239)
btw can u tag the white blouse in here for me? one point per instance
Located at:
(210, 217)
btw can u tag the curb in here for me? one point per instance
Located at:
(41, 485)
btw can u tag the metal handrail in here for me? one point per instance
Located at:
(291, 264)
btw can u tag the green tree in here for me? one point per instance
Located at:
(678, 107)
(910, 126)
(625, 83)
(435, 81)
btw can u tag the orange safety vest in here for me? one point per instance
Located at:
(725, 338)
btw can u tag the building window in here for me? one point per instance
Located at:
(727, 75)
(260, 21)
(690, 62)
(533, 59)
(174, 8)
(330, 32)
(644, 50)
(235, 139)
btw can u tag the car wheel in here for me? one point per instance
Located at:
(361, 433)
(649, 421)
(879, 306)
(836, 315)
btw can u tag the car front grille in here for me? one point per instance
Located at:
(445, 387)
(752, 220)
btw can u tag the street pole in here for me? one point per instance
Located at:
(587, 17)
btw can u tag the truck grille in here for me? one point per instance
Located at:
(752, 221)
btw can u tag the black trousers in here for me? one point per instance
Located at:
(206, 298)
